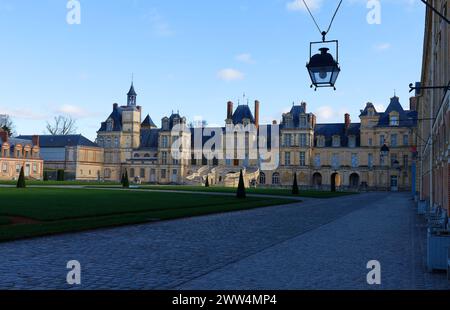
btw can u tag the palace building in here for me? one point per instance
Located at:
(377, 153)
(17, 153)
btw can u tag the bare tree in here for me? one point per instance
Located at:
(62, 125)
(7, 124)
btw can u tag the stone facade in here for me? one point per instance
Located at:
(375, 154)
(17, 153)
(434, 110)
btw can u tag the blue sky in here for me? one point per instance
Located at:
(194, 56)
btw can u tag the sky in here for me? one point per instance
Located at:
(194, 56)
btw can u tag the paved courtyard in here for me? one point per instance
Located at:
(318, 244)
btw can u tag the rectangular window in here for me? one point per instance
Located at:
(17, 168)
(370, 160)
(394, 121)
(405, 161)
(336, 141)
(302, 159)
(287, 159)
(352, 141)
(142, 174)
(382, 140)
(303, 122)
(370, 142)
(394, 140)
(303, 142)
(355, 162)
(405, 140)
(393, 159)
(287, 140)
(163, 173)
(5, 167)
(164, 158)
(335, 161)
(317, 163)
(34, 167)
(164, 142)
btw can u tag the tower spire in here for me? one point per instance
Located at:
(131, 102)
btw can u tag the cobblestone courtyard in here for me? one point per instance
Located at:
(318, 244)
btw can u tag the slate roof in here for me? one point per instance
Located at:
(149, 138)
(365, 112)
(116, 117)
(148, 122)
(19, 140)
(407, 118)
(296, 112)
(242, 112)
(330, 130)
(48, 141)
(132, 92)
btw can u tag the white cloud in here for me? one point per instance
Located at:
(298, 5)
(383, 46)
(230, 75)
(245, 58)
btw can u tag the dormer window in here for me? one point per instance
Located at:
(321, 141)
(303, 122)
(394, 120)
(370, 112)
(165, 124)
(336, 141)
(109, 125)
(351, 141)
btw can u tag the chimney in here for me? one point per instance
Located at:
(115, 106)
(413, 103)
(229, 110)
(4, 136)
(35, 140)
(256, 113)
(303, 105)
(274, 122)
(347, 121)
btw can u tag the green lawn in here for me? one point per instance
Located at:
(260, 191)
(55, 183)
(64, 210)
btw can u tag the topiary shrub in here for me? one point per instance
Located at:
(295, 190)
(207, 182)
(241, 187)
(60, 175)
(126, 181)
(21, 181)
(45, 176)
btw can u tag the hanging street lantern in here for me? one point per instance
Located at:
(323, 68)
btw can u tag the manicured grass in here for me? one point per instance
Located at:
(61, 183)
(260, 191)
(64, 210)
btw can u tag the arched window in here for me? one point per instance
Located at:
(262, 178)
(136, 155)
(276, 178)
(147, 155)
